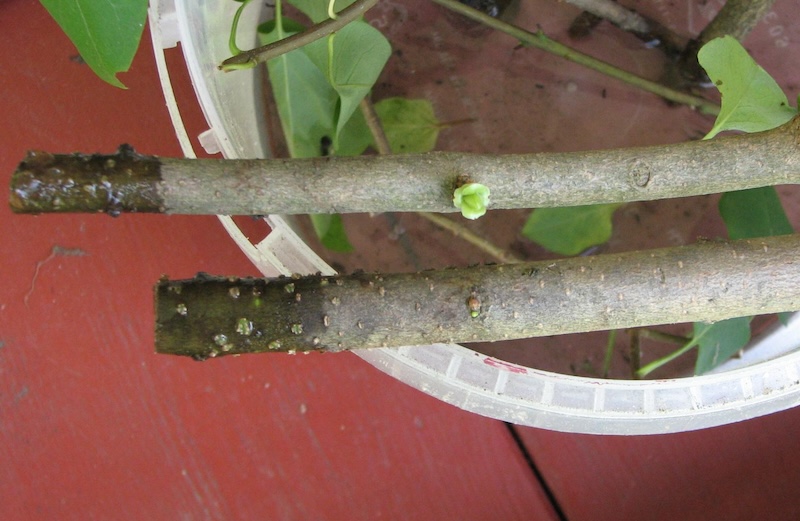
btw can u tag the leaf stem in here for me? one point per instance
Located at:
(654, 334)
(234, 49)
(635, 352)
(375, 127)
(610, 344)
(542, 42)
(266, 52)
(656, 364)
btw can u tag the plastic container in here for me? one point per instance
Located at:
(765, 380)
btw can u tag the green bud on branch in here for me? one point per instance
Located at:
(472, 199)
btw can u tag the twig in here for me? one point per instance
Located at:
(708, 281)
(618, 15)
(540, 41)
(129, 182)
(736, 18)
(375, 127)
(652, 33)
(476, 240)
(313, 33)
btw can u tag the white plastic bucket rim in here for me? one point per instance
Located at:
(762, 384)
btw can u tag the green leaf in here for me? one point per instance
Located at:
(331, 232)
(570, 230)
(305, 101)
(754, 213)
(317, 10)
(751, 100)
(306, 105)
(105, 32)
(719, 341)
(351, 59)
(355, 136)
(410, 124)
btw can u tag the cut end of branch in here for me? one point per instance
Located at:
(112, 184)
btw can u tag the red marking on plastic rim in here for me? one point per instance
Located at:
(505, 366)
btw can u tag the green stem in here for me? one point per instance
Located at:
(261, 54)
(635, 352)
(655, 364)
(542, 42)
(654, 334)
(235, 27)
(612, 341)
(690, 343)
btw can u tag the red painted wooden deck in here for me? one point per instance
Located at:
(94, 425)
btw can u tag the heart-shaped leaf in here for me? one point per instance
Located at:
(351, 59)
(751, 100)
(410, 124)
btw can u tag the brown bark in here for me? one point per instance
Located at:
(710, 281)
(403, 183)
(736, 18)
